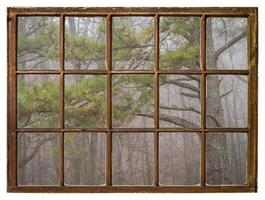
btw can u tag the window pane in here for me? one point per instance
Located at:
(38, 101)
(226, 158)
(84, 158)
(38, 159)
(179, 101)
(132, 161)
(85, 101)
(179, 43)
(38, 43)
(85, 43)
(132, 99)
(179, 158)
(226, 43)
(227, 103)
(132, 43)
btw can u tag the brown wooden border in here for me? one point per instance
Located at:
(203, 13)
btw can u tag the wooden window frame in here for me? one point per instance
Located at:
(203, 13)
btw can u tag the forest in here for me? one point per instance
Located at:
(85, 100)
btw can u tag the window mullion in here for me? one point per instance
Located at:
(61, 148)
(203, 97)
(156, 102)
(109, 104)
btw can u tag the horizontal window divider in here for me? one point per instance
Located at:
(226, 130)
(230, 72)
(134, 188)
(85, 71)
(221, 72)
(124, 14)
(38, 130)
(37, 13)
(59, 130)
(151, 14)
(213, 11)
(38, 72)
(132, 72)
(180, 72)
(132, 130)
(179, 130)
(85, 130)
(135, 130)
(84, 14)
(133, 14)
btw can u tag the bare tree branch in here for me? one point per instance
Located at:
(226, 93)
(229, 44)
(190, 95)
(242, 79)
(35, 151)
(172, 119)
(191, 109)
(184, 85)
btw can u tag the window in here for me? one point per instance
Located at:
(132, 99)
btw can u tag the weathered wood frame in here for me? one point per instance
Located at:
(203, 13)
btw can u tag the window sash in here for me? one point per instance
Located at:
(203, 13)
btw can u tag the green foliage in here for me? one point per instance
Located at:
(42, 37)
(38, 104)
(54, 151)
(85, 102)
(181, 34)
(83, 48)
(185, 55)
(137, 95)
(70, 141)
(132, 42)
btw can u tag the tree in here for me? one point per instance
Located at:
(133, 48)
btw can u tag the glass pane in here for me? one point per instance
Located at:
(132, 43)
(226, 43)
(132, 101)
(226, 158)
(38, 43)
(38, 161)
(179, 39)
(38, 101)
(132, 159)
(179, 101)
(85, 43)
(179, 158)
(84, 158)
(85, 101)
(227, 103)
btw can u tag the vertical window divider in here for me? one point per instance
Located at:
(109, 104)
(61, 151)
(203, 97)
(12, 102)
(156, 101)
(252, 99)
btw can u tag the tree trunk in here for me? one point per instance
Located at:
(218, 169)
(93, 159)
